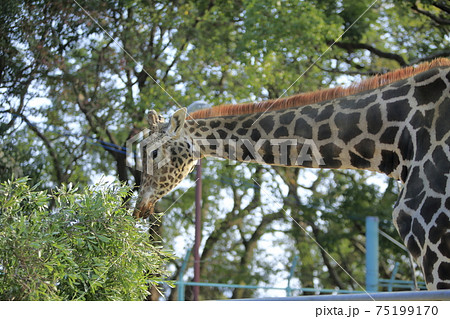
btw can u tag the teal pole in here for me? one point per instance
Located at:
(371, 254)
(181, 283)
(291, 273)
(198, 228)
(392, 279)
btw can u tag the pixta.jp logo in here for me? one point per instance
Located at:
(146, 144)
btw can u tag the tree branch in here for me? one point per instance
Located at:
(442, 6)
(175, 59)
(326, 259)
(435, 55)
(48, 145)
(231, 219)
(349, 46)
(251, 244)
(436, 19)
(335, 70)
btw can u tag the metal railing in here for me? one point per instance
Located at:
(435, 295)
(390, 284)
(373, 283)
(331, 294)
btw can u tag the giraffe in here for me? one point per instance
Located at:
(397, 124)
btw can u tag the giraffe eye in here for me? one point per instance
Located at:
(154, 154)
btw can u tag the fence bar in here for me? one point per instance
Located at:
(291, 274)
(378, 296)
(402, 284)
(219, 285)
(198, 227)
(394, 272)
(371, 254)
(180, 282)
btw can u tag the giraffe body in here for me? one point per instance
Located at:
(401, 129)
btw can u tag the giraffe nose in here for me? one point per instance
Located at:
(143, 209)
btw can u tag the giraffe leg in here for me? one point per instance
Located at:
(422, 220)
(439, 241)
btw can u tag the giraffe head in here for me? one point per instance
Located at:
(167, 156)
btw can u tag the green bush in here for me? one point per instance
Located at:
(74, 245)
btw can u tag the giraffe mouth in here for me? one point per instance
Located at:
(144, 210)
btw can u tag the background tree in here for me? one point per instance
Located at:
(78, 77)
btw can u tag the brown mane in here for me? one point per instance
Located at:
(320, 95)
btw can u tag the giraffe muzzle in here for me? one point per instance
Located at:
(144, 210)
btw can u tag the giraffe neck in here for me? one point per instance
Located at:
(372, 130)
(343, 133)
(324, 136)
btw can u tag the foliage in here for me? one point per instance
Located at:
(73, 245)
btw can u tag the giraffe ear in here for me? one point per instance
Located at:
(154, 120)
(177, 122)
